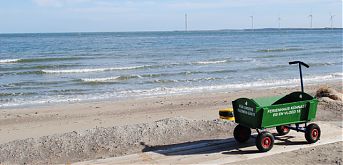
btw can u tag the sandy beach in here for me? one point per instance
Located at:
(35, 122)
(88, 82)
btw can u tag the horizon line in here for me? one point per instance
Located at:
(249, 29)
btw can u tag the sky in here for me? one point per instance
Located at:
(32, 16)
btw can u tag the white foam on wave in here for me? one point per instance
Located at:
(173, 90)
(91, 70)
(9, 61)
(338, 74)
(210, 62)
(39, 101)
(111, 79)
(106, 79)
(256, 84)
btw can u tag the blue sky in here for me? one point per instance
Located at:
(22, 16)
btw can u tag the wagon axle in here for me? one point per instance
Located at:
(265, 139)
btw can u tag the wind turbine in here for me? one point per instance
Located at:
(186, 23)
(311, 17)
(331, 20)
(279, 21)
(252, 23)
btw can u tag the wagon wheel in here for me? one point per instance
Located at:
(282, 130)
(241, 133)
(312, 133)
(264, 141)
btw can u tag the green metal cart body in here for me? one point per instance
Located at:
(282, 112)
(261, 113)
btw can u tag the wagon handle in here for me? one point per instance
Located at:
(301, 75)
(299, 62)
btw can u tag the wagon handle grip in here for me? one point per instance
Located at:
(301, 75)
(299, 62)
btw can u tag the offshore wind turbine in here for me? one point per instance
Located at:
(279, 22)
(331, 20)
(186, 22)
(311, 19)
(252, 23)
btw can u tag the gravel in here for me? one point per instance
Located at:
(329, 110)
(108, 142)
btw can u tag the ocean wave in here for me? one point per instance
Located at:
(4, 61)
(106, 79)
(160, 81)
(152, 75)
(115, 79)
(255, 84)
(127, 77)
(27, 60)
(157, 75)
(260, 68)
(85, 70)
(18, 102)
(48, 59)
(25, 84)
(21, 73)
(110, 79)
(94, 69)
(17, 94)
(279, 50)
(338, 74)
(193, 63)
(210, 62)
(267, 56)
(18, 67)
(29, 72)
(168, 91)
(328, 51)
(68, 91)
(280, 66)
(324, 63)
(165, 81)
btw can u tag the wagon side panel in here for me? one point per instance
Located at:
(247, 113)
(312, 109)
(289, 113)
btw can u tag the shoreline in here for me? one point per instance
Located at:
(143, 96)
(33, 122)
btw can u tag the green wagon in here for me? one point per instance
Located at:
(296, 108)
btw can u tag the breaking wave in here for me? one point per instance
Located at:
(255, 84)
(210, 62)
(174, 90)
(4, 61)
(110, 79)
(86, 70)
(279, 50)
(93, 69)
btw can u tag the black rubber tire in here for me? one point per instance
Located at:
(282, 130)
(312, 133)
(264, 141)
(241, 133)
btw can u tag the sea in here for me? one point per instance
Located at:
(47, 68)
